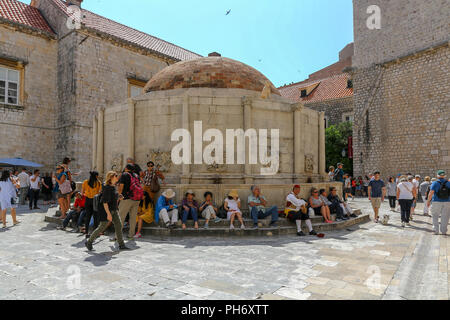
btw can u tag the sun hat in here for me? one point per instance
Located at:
(233, 193)
(169, 194)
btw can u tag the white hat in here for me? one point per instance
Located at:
(169, 194)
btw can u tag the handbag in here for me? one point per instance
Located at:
(65, 187)
(154, 184)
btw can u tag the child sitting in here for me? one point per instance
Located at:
(233, 207)
(208, 210)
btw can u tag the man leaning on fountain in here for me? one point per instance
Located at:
(257, 204)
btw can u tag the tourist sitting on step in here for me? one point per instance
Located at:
(166, 209)
(258, 208)
(297, 211)
(319, 206)
(208, 210)
(190, 209)
(77, 213)
(146, 213)
(233, 207)
(338, 207)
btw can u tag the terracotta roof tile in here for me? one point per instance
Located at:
(330, 88)
(115, 29)
(24, 14)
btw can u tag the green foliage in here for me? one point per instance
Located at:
(336, 139)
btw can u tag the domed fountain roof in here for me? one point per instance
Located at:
(209, 72)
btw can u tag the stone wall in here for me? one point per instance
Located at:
(28, 131)
(334, 109)
(406, 26)
(409, 118)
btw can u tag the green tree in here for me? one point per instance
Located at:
(336, 140)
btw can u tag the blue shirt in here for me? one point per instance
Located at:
(252, 198)
(162, 203)
(436, 186)
(377, 188)
(56, 188)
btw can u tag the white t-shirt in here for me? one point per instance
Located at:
(406, 189)
(233, 204)
(416, 184)
(348, 183)
(35, 185)
(24, 179)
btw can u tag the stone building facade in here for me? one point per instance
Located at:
(401, 87)
(328, 90)
(74, 63)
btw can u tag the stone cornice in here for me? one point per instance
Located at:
(27, 29)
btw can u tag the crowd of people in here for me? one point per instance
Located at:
(128, 198)
(403, 192)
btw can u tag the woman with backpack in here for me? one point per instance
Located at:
(440, 197)
(90, 189)
(107, 212)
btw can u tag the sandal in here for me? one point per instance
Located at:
(16, 223)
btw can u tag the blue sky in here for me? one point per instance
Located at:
(286, 39)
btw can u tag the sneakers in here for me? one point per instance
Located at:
(353, 216)
(137, 236)
(301, 234)
(255, 226)
(217, 220)
(339, 219)
(403, 224)
(88, 245)
(61, 228)
(231, 227)
(206, 226)
(313, 233)
(408, 224)
(242, 227)
(123, 248)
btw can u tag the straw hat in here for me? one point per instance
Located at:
(233, 193)
(169, 194)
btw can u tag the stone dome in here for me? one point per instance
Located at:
(209, 72)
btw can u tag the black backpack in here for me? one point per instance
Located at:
(444, 191)
(97, 202)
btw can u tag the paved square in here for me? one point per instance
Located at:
(370, 261)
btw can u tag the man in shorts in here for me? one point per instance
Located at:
(377, 193)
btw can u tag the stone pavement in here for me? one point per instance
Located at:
(370, 261)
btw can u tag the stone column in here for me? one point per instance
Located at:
(322, 160)
(94, 142)
(131, 127)
(186, 168)
(299, 152)
(247, 102)
(100, 141)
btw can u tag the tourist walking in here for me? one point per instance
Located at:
(151, 179)
(391, 188)
(130, 195)
(423, 191)
(35, 188)
(296, 211)
(440, 197)
(166, 209)
(416, 184)
(208, 210)
(405, 196)
(377, 193)
(190, 209)
(317, 203)
(233, 207)
(257, 204)
(331, 174)
(366, 182)
(347, 187)
(24, 180)
(108, 212)
(339, 176)
(89, 189)
(8, 197)
(146, 213)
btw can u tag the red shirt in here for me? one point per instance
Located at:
(80, 203)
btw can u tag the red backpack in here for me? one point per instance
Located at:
(136, 190)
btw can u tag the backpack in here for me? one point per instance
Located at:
(222, 213)
(136, 191)
(444, 191)
(336, 174)
(154, 184)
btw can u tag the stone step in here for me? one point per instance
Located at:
(284, 228)
(263, 232)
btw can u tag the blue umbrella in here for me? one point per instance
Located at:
(19, 162)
